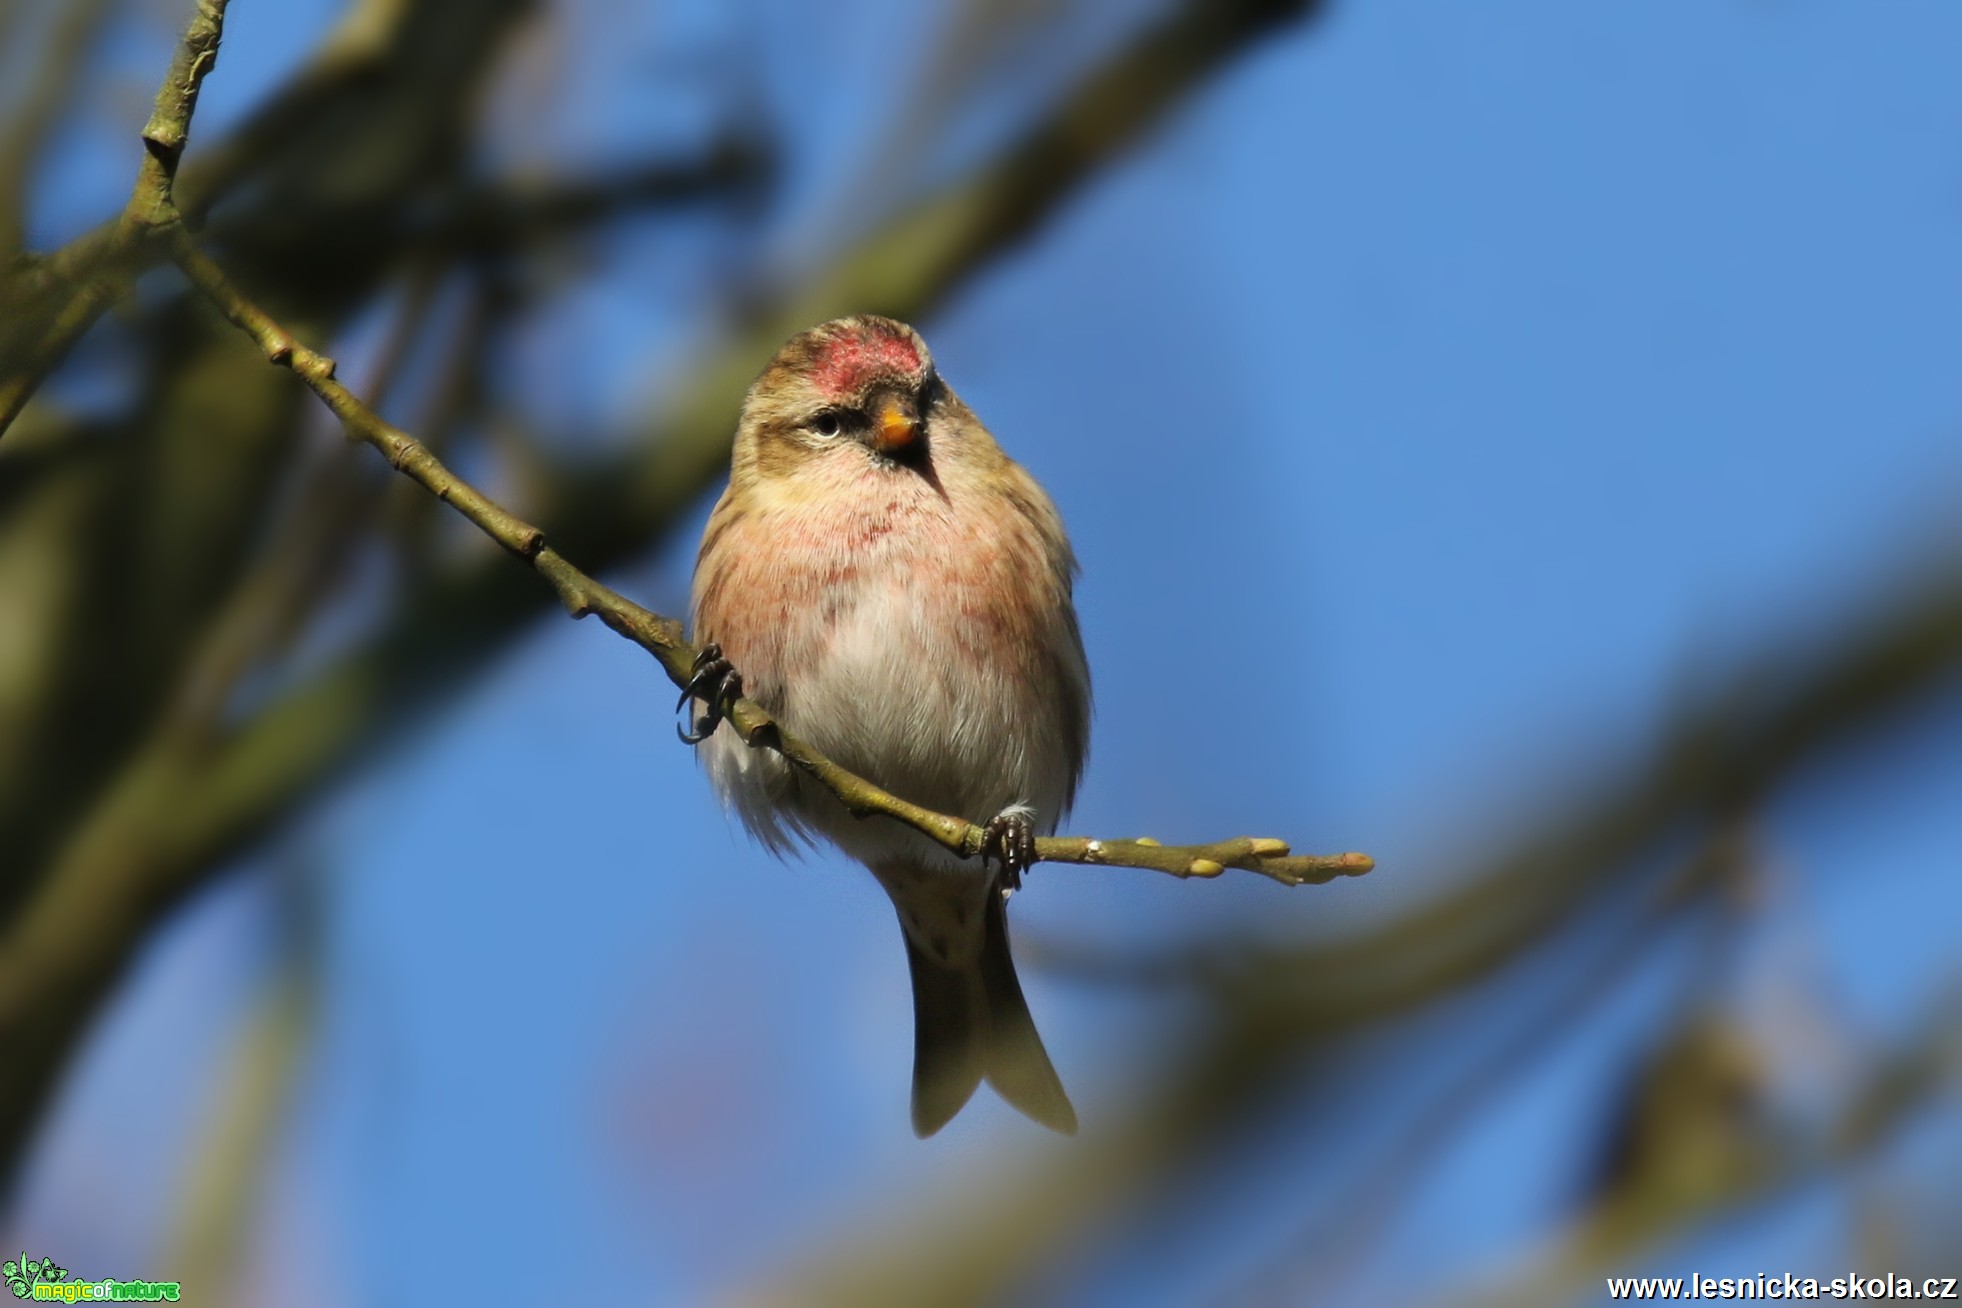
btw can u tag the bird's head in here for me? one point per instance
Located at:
(863, 382)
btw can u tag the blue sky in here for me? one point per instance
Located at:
(1464, 380)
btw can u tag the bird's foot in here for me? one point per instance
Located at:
(1010, 839)
(714, 681)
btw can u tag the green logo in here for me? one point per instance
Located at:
(26, 1273)
(43, 1281)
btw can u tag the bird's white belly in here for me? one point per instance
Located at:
(895, 695)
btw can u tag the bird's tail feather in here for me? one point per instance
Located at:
(971, 1024)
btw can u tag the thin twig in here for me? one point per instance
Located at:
(60, 298)
(169, 128)
(663, 638)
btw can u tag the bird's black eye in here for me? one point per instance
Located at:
(827, 423)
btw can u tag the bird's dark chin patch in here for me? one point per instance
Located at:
(915, 458)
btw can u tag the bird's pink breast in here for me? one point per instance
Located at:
(960, 562)
(907, 634)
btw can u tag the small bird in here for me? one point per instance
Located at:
(896, 590)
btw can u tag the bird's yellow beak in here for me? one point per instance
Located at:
(894, 426)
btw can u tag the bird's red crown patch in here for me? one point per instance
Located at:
(847, 361)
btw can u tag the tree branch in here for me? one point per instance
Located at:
(61, 298)
(169, 128)
(497, 218)
(662, 636)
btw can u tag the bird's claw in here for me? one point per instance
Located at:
(714, 681)
(1010, 839)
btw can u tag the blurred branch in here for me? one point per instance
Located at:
(974, 38)
(1702, 1161)
(221, 1197)
(1726, 750)
(58, 301)
(494, 218)
(48, 982)
(1330, 1245)
(219, 1203)
(56, 73)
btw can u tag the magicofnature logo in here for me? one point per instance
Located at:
(40, 1279)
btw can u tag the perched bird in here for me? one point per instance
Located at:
(895, 590)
